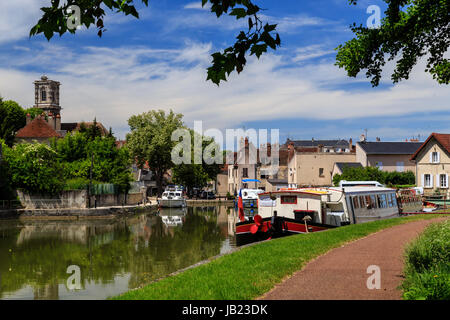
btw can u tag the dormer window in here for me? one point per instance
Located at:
(43, 95)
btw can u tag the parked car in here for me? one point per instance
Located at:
(207, 195)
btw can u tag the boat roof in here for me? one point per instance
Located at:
(297, 191)
(362, 189)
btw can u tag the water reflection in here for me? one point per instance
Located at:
(113, 255)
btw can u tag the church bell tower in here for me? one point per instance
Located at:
(46, 96)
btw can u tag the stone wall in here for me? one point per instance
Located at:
(76, 199)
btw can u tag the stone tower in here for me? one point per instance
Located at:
(46, 96)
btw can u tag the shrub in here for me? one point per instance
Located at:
(428, 264)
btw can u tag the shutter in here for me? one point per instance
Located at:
(446, 180)
(438, 157)
(438, 181)
(423, 180)
(431, 181)
(431, 157)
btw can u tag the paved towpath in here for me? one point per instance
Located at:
(341, 274)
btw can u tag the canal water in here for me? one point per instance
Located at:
(41, 259)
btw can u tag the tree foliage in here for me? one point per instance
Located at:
(374, 174)
(12, 119)
(33, 167)
(256, 40)
(197, 175)
(110, 164)
(150, 140)
(410, 30)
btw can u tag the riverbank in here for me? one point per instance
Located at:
(254, 270)
(111, 211)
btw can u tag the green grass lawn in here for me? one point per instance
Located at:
(252, 271)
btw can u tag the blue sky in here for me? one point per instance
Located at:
(160, 61)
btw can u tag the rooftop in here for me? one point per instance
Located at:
(389, 147)
(442, 138)
(38, 128)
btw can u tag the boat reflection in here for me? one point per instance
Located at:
(172, 217)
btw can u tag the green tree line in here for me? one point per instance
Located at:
(393, 178)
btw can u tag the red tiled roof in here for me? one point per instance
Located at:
(442, 138)
(38, 128)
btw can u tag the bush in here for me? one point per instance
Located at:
(374, 174)
(428, 265)
(34, 167)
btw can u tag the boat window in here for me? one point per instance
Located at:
(373, 201)
(368, 202)
(389, 196)
(379, 201)
(178, 194)
(394, 200)
(288, 199)
(355, 203)
(171, 194)
(362, 202)
(383, 201)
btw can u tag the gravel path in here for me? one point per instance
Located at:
(341, 274)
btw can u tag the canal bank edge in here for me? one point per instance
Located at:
(75, 212)
(99, 211)
(192, 282)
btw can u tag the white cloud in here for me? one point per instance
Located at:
(113, 84)
(18, 17)
(197, 5)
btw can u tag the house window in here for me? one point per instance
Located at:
(435, 157)
(427, 181)
(379, 165)
(288, 199)
(245, 172)
(43, 95)
(443, 181)
(320, 172)
(400, 166)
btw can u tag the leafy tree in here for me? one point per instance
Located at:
(6, 188)
(34, 167)
(197, 175)
(12, 118)
(150, 140)
(410, 30)
(256, 40)
(111, 165)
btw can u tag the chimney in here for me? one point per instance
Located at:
(269, 149)
(28, 118)
(350, 144)
(58, 122)
(50, 120)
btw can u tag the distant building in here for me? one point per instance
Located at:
(37, 130)
(46, 97)
(387, 156)
(311, 163)
(432, 164)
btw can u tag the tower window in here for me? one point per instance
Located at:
(43, 95)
